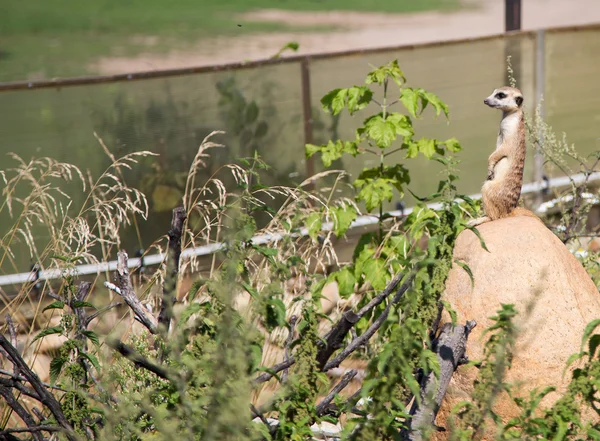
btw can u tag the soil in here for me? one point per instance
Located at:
(358, 31)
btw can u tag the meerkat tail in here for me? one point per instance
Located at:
(519, 211)
(478, 221)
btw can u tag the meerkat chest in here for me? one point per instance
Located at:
(509, 129)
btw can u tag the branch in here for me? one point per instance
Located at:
(288, 345)
(126, 291)
(14, 384)
(170, 285)
(138, 359)
(33, 430)
(20, 410)
(101, 311)
(346, 379)
(365, 336)
(450, 348)
(21, 378)
(336, 336)
(46, 398)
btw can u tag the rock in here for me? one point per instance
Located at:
(528, 266)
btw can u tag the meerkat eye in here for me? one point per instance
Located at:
(500, 95)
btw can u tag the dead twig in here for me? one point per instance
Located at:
(15, 405)
(365, 336)
(45, 397)
(450, 347)
(138, 359)
(346, 379)
(171, 277)
(127, 292)
(335, 337)
(288, 345)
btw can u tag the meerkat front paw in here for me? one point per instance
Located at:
(478, 221)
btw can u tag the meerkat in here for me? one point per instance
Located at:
(501, 191)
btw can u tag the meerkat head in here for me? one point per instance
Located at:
(507, 99)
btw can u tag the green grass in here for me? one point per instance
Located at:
(41, 38)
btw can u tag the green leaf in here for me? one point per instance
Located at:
(335, 101)
(588, 331)
(382, 132)
(92, 336)
(453, 145)
(464, 266)
(311, 149)
(190, 310)
(251, 112)
(80, 304)
(313, 225)
(358, 98)
(374, 192)
(265, 251)
(275, 313)
(402, 124)
(593, 344)
(478, 234)
(438, 104)
(346, 281)
(342, 218)
(410, 99)
(56, 366)
(92, 359)
(448, 307)
(390, 70)
(332, 151)
(376, 273)
(427, 147)
(48, 331)
(412, 150)
(55, 305)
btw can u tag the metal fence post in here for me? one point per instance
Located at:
(512, 15)
(512, 48)
(307, 112)
(540, 87)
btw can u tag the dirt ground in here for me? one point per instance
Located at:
(359, 31)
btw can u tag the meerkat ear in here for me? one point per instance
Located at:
(519, 100)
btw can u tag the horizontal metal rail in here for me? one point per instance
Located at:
(361, 221)
(86, 80)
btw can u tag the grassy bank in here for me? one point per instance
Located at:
(60, 38)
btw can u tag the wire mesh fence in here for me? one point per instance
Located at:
(264, 107)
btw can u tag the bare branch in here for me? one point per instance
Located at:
(138, 359)
(126, 291)
(335, 338)
(338, 333)
(288, 345)
(171, 277)
(34, 430)
(21, 378)
(365, 336)
(14, 384)
(346, 379)
(450, 348)
(99, 312)
(46, 398)
(27, 418)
